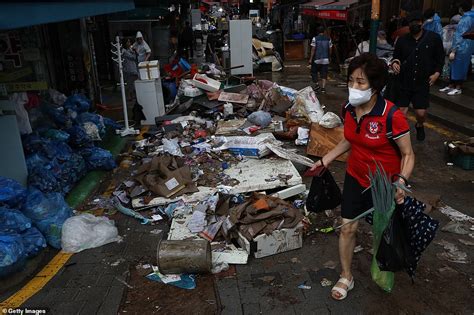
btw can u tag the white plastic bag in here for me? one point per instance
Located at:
(311, 103)
(172, 147)
(330, 120)
(86, 231)
(22, 118)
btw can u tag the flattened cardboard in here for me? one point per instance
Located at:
(322, 140)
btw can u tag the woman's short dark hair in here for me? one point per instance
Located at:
(374, 68)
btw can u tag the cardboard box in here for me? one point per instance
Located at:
(279, 241)
(149, 70)
(322, 140)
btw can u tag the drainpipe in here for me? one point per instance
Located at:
(374, 25)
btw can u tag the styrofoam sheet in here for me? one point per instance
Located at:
(252, 175)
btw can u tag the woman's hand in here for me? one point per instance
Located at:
(317, 164)
(400, 193)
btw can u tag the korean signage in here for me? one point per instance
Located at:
(327, 14)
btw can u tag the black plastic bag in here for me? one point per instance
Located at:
(394, 252)
(324, 193)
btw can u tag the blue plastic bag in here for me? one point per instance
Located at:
(112, 124)
(48, 213)
(13, 221)
(57, 135)
(11, 249)
(98, 159)
(78, 103)
(41, 173)
(95, 119)
(11, 192)
(78, 136)
(33, 241)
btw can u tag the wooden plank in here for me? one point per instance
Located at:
(322, 140)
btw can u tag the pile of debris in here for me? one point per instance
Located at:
(60, 139)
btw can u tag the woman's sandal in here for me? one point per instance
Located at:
(343, 292)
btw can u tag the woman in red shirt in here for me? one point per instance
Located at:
(367, 138)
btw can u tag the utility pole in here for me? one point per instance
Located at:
(374, 25)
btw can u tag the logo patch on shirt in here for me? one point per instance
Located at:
(374, 128)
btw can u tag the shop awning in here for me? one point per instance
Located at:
(339, 5)
(330, 10)
(28, 13)
(314, 5)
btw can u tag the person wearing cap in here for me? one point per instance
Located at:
(141, 48)
(418, 60)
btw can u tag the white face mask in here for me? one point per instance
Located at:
(359, 97)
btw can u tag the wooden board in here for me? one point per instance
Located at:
(322, 140)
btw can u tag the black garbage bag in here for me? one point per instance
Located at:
(324, 193)
(395, 252)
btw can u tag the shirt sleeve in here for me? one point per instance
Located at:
(147, 48)
(313, 42)
(400, 125)
(463, 26)
(397, 51)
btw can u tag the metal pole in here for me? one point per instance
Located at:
(122, 84)
(374, 25)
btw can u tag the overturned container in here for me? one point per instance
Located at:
(184, 256)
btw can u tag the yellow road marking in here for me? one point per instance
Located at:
(52, 268)
(37, 283)
(441, 130)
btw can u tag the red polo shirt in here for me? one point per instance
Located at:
(369, 142)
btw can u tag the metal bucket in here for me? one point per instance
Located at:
(185, 256)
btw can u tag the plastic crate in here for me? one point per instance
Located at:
(464, 161)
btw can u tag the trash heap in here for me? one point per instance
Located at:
(59, 139)
(216, 168)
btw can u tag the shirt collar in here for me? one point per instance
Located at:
(378, 110)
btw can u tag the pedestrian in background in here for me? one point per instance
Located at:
(320, 57)
(448, 36)
(418, 60)
(130, 70)
(141, 48)
(432, 22)
(366, 139)
(186, 41)
(461, 50)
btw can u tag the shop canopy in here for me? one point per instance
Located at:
(331, 10)
(17, 14)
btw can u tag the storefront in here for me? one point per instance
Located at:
(49, 44)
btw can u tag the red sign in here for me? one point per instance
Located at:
(327, 14)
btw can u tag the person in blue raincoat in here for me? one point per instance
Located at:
(432, 22)
(461, 50)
